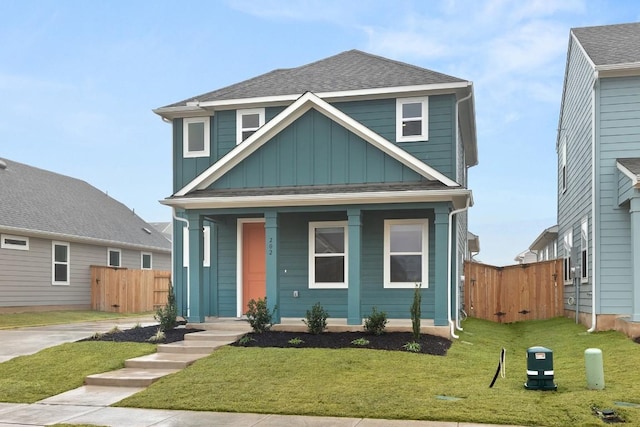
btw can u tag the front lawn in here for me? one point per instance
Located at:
(42, 318)
(27, 379)
(384, 384)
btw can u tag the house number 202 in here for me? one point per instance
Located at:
(270, 246)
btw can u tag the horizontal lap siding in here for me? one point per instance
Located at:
(226, 276)
(576, 129)
(619, 133)
(186, 169)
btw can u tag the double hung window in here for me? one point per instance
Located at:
(412, 122)
(405, 253)
(328, 255)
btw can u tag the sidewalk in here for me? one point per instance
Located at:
(90, 404)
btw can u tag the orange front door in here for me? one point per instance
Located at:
(253, 263)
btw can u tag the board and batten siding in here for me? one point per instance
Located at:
(619, 136)
(574, 203)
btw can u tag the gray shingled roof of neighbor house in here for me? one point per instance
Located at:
(49, 204)
(632, 164)
(610, 44)
(350, 70)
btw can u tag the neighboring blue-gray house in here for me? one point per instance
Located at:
(53, 228)
(598, 147)
(342, 182)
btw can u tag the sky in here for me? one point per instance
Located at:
(79, 80)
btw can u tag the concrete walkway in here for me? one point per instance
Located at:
(89, 404)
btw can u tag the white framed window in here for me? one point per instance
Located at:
(412, 119)
(146, 261)
(206, 259)
(60, 263)
(248, 121)
(14, 242)
(328, 243)
(406, 248)
(567, 264)
(584, 250)
(114, 257)
(195, 137)
(563, 165)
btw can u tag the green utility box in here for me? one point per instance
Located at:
(540, 369)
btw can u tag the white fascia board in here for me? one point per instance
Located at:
(619, 70)
(80, 239)
(288, 116)
(635, 179)
(326, 199)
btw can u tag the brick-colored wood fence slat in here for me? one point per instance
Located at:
(121, 290)
(514, 293)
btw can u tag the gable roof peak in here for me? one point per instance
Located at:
(610, 44)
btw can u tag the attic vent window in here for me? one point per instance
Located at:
(412, 122)
(14, 242)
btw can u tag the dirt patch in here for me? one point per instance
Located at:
(391, 341)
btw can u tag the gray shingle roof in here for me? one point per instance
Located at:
(611, 44)
(350, 70)
(631, 163)
(50, 203)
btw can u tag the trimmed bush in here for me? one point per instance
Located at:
(167, 316)
(258, 315)
(376, 322)
(316, 319)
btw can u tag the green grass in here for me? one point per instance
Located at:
(42, 318)
(402, 385)
(27, 379)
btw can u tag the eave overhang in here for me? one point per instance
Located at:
(634, 177)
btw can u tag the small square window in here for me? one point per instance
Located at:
(412, 119)
(146, 261)
(113, 257)
(195, 135)
(248, 122)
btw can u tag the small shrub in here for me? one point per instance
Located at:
(246, 339)
(258, 315)
(167, 315)
(114, 330)
(97, 336)
(295, 341)
(415, 313)
(412, 346)
(158, 336)
(376, 322)
(138, 325)
(316, 319)
(360, 341)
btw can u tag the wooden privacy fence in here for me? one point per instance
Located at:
(121, 290)
(514, 293)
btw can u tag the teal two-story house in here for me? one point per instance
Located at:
(598, 148)
(341, 182)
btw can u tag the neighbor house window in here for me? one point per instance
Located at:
(328, 254)
(14, 242)
(146, 261)
(248, 122)
(412, 122)
(563, 165)
(405, 253)
(584, 250)
(567, 263)
(60, 263)
(114, 257)
(195, 137)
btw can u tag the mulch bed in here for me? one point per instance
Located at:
(142, 335)
(392, 341)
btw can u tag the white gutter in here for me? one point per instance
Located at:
(594, 256)
(449, 318)
(173, 265)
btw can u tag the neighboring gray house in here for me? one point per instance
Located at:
(526, 257)
(598, 146)
(53, 227)
(546, 244)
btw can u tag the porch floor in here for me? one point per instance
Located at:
(292, 324)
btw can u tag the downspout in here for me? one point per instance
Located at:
(594, 257)
(175, 268)
(449, 244)
(449, 317)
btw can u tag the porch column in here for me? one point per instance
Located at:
(195, 297)
(635, 256)
(354, 249)
(271, 252)
(440, 253)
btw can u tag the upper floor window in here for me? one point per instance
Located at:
(248, 122)
(14, 242)
(146, 261)
(584, 250)
(195, 137)
(412, 122)
(563, 165)
(328, 254)
(567, 263)
(60, 263)
(114, 257)
(405, 253)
